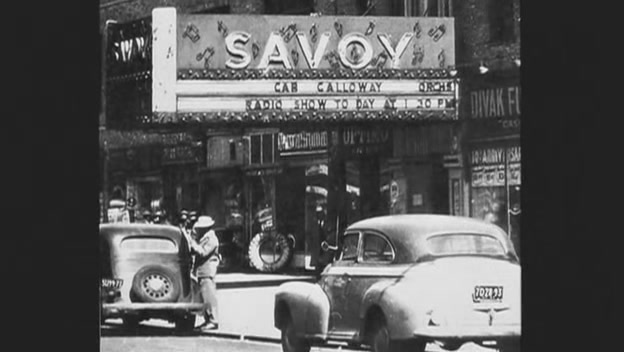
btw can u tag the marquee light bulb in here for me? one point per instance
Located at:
(483, 69)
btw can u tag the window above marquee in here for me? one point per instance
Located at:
(423, 8)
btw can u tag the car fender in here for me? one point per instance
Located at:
(396, 303)
(307, 305)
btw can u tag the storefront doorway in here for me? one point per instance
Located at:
(367, 188)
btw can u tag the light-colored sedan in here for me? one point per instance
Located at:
(399, 282)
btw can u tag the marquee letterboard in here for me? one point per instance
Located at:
(211, 67)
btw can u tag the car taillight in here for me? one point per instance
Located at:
(435, 318)
(111, 296)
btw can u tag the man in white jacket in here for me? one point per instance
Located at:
(205, 247)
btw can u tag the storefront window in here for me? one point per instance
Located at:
(148, 193)
(496, 186)
(489, 204)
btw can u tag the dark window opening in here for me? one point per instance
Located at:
(500, 13)
(263, 148)
(423, 8)
(256, 149)
(292, 7)
(267, 149)
(232, 150)
(218, 9)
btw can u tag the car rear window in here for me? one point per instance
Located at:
(461, 244)
(148, 244)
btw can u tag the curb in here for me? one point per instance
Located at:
(259, 283)
(241, 337)
(256, 338)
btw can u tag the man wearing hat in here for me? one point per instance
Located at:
(205, 247)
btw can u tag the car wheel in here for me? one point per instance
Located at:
(380, 338)
(380, 341)
(185, 323)
(269, 252)
(156, 284)
(291, 342)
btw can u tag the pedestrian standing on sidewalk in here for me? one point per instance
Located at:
(205, 247)
(322, 258)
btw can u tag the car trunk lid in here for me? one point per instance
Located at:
(471, 291)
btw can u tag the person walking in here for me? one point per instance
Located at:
(205, 248)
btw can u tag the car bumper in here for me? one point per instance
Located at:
(470, 333)
(115, 309)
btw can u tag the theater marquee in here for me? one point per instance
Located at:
(222, 67)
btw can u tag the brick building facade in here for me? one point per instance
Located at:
(488, 167)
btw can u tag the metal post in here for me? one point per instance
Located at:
(507, 194)
(105, 183)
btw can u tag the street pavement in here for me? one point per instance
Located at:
(188, 344)
(245, 324)
(209, 343)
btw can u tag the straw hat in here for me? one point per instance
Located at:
(203, 222)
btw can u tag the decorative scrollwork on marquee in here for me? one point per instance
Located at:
(160, 118)
(224, 74)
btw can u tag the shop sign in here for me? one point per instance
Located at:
(514, 174)
(488, 176)
(487, 156)
(317, 190)
(180, 154)
(490, 167)
(302, 143)
(320, 169)
(497, 102)
(293, 66)
(514, 166)
(362, 141)
(493, 105)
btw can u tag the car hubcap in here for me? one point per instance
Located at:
(156, 285)
(270, 251)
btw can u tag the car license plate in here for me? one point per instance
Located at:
(112, 283)
(487, 294)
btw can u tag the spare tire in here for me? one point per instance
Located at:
(269, 252)
(156, 284)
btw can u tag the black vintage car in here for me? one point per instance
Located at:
(145, 273)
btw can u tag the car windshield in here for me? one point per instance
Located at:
(465, 244)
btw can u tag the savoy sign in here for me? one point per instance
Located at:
(306, 42)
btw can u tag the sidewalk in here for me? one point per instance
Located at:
(240, 280)
(246, 302)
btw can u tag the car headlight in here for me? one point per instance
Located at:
(435, 318)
